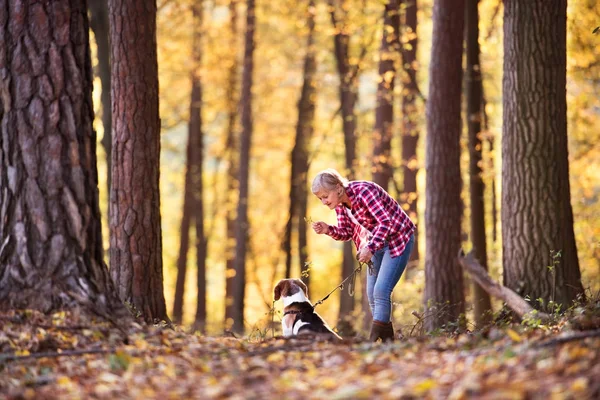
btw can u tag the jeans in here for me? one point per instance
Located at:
(386, 274)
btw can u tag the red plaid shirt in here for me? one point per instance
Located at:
(376, 211)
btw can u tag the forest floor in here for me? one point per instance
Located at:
(64, 356)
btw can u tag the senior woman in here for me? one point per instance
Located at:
(382, 232)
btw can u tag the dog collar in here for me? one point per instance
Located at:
(293, 312)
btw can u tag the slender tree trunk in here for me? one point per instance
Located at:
(444, 296)
(348, 97)
(135, 231)
(481, 299)
(299, 157)
(197, 168)
(245, 147)
(538, 242)
(50, 227)
(410, 115)
(99, 24)
(232, 146)
(184, 236)
(384, 112)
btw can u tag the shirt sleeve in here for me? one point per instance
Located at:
(343, 230)
(372, 199)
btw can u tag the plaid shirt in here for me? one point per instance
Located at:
(376, 211)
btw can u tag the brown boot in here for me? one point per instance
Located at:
(381, 330)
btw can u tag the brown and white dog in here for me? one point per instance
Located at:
(299, 316)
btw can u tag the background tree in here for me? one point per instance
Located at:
(135, 226)
(299, 156)
(242, 225)
(474, 93)
(384, 111)
(50, 229)
(193, 205)
(348, 96)
(443, 275)
(232, 149)
(410, 113)
(99, 24)
(539, 252)
(197, 168)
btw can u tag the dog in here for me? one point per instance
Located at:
(299, 316)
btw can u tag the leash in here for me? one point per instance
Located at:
(350, 286)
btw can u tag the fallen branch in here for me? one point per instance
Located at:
(569, 338)
(512, 300)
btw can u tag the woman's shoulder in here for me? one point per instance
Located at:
(363, 187)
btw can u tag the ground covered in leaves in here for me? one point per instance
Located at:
(66, 355)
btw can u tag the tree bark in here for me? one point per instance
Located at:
(444, 295)
(410, 116)
(481, 300)
(245, 147)
(99, 24)
(232, 146)
(384, 112)
(50, 227)
(135, 230)
(538, 242)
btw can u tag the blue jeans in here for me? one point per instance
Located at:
(386, 274)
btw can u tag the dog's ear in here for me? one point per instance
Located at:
(277, 291)
(302, 286)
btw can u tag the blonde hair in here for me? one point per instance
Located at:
(328, 180)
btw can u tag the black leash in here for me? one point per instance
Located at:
(350, 286)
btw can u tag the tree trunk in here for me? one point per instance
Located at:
(481, 300)
(99, 24)
(348, 97)
(444, 296)
(384, 112)
(410, 116)
(538, 243)
(232, 146)
(135, 230)
(245, 146)
(184, 235)
(299, 157)
(197, 167)
(50, 229)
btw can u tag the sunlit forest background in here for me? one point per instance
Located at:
(278, 64)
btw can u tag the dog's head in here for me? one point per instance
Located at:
(291, 291)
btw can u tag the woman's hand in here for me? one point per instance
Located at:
(320, 227)
(364, 255)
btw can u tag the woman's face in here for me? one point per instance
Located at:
(330, 198)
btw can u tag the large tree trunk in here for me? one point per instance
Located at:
(444, 296)
(384, 112)
(245, 147)
(197, 167)
(232, 147)
(299, 157)
(410, 116)
(538, 243)
(99, 24)
(348, 91)
(50, 229)
(135, 230)
(481, 299)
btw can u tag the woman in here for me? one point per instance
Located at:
(382, 231)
